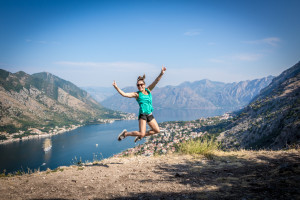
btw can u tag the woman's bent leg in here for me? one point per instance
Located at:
(141, 133)
(154, 128)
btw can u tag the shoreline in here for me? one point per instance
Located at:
(44, 135)
(59, 131)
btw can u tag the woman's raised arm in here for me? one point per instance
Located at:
(124, 94)
(163, 69)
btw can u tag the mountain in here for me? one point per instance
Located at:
(204, 94)
(100, 93)
(272, 119)
(44, 99)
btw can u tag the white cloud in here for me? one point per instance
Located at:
(247, 57)
(216, 60)
(193, 32)
(236, 57)
(273, 41)
(42, 42)
(119, 66)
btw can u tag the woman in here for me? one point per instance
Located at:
(144, 99)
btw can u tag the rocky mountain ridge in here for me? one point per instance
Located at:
(43, 99)
(272, 119)
(204, 94)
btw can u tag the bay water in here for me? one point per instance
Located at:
(87, 143)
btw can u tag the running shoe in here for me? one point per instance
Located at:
(137, 139)
(122, 135)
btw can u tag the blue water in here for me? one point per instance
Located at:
(80, 144)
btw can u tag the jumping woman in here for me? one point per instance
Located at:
(144, 98)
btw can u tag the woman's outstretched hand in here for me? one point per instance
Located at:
(115, 84)
(163, 69)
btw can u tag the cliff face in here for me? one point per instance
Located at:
(204, 94)
(45, 100)
(272, 119)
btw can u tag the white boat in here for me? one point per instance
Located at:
(47, 145)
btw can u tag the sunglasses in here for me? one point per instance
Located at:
(140, 85)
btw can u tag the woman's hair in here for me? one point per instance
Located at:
(141, 78)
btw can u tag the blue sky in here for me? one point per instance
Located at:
(92, 43)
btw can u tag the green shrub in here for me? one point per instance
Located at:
(204, 147)
(9, 129)
(3, 137)
(57, 169)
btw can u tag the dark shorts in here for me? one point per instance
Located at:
(148, 118)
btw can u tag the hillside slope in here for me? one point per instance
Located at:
(204, 94)
(272, 119)
(45, 100)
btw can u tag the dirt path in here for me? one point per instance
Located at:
(232, 175)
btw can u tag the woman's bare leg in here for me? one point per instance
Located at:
(154, 128)
(141, 133)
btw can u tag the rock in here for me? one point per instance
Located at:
(177, 175)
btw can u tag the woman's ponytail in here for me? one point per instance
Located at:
(141, 78)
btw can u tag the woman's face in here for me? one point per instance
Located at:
(140, 85)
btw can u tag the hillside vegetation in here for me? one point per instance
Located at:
(45, 100)
(272, 119)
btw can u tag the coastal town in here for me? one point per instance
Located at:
(48, 132)
(172, 134)
(127, 116)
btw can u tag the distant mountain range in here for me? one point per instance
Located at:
(100, 93)
(272, 119)
(43, 99)
(204, 94)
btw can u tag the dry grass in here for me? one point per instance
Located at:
(205, 147)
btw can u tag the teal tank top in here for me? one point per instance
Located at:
(145, 102)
